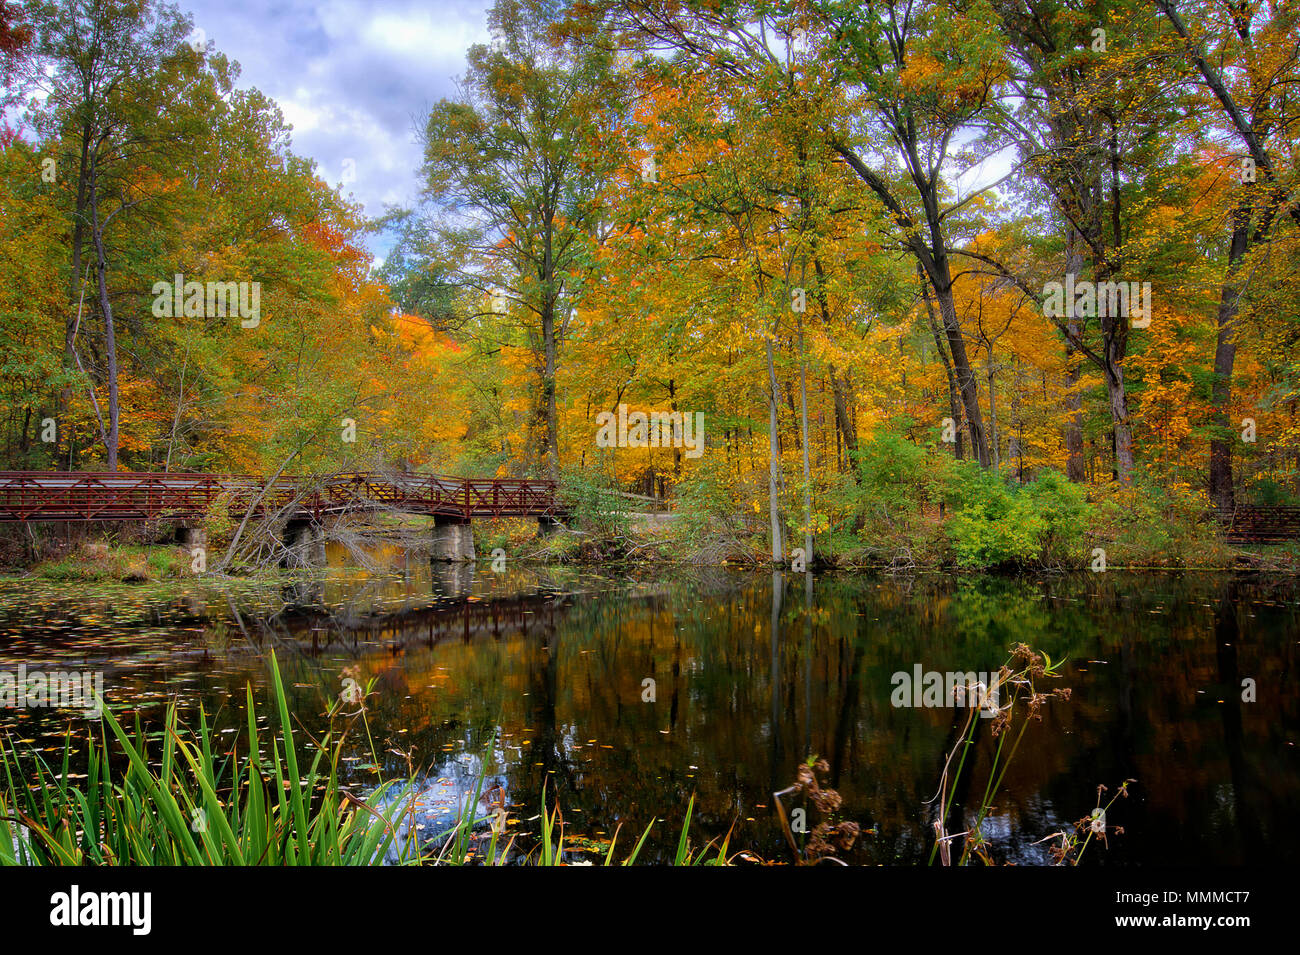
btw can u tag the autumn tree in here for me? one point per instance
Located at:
(114, 72)
(15, 41)
(1247, 61)
(518, 168)
(1090, 120)
(893, 84)
(208, 188)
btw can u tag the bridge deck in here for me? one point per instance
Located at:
(1266, 524)
(120, 496)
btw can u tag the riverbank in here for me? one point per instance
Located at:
(663, 543)
(906, 510)
(98, 562)
(927, 549)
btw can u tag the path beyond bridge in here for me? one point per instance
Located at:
(122, 496)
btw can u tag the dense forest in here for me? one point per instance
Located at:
(999, 260)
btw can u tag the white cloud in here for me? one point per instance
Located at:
(353, 78)
(419, 37)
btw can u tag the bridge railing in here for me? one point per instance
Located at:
(62, 495)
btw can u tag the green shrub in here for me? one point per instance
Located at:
(997, 525)
(893, 471)
(1148, 524)
(889, 513)
(101, 562)
(1266, 492)
(705, 508)
(593, 504)
(218, 522)
(510, 534)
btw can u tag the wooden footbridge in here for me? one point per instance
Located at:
(121, 496)
(1271, 524)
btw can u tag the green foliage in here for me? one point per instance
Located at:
(1151, 525)
(1267, 492)
(193, 809)
(127, 563)
(594, 505)
(708, 518)
(889, 466)
(164, 136)
(996, 525)
(892, 507)
(218, 522)
(502, 158)
(508, 534)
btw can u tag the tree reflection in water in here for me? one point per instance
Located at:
(749, 682)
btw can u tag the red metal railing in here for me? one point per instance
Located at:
(1266, 524)
(109, 496)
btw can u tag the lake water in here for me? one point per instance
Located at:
(540, 676)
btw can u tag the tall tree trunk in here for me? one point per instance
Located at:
(550, 437)
(954, 403)
(807, 470)
(843, 423)
(773, 462)
(932, 255)
(1074, 465)
(1015, 443)
(967, 387)
(75, 281)
(677, 451)
(1225, 354)
(110, 337)
(839, 391)
(1277, 200)
(1123, 433)
(1114, 330)
(994, 449)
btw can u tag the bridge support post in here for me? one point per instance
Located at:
(306, 543)
(453, 540)
(547, 525)
(192, 537)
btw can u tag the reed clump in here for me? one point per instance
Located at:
(186, 805)
(182, 803)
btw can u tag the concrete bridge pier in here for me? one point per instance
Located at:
(189, 536)
(306, 543)
(453, 540)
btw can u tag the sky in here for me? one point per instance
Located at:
(353, 77)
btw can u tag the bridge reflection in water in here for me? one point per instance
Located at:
(540, 673)
(453, 613)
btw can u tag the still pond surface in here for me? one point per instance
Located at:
(539, 676)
